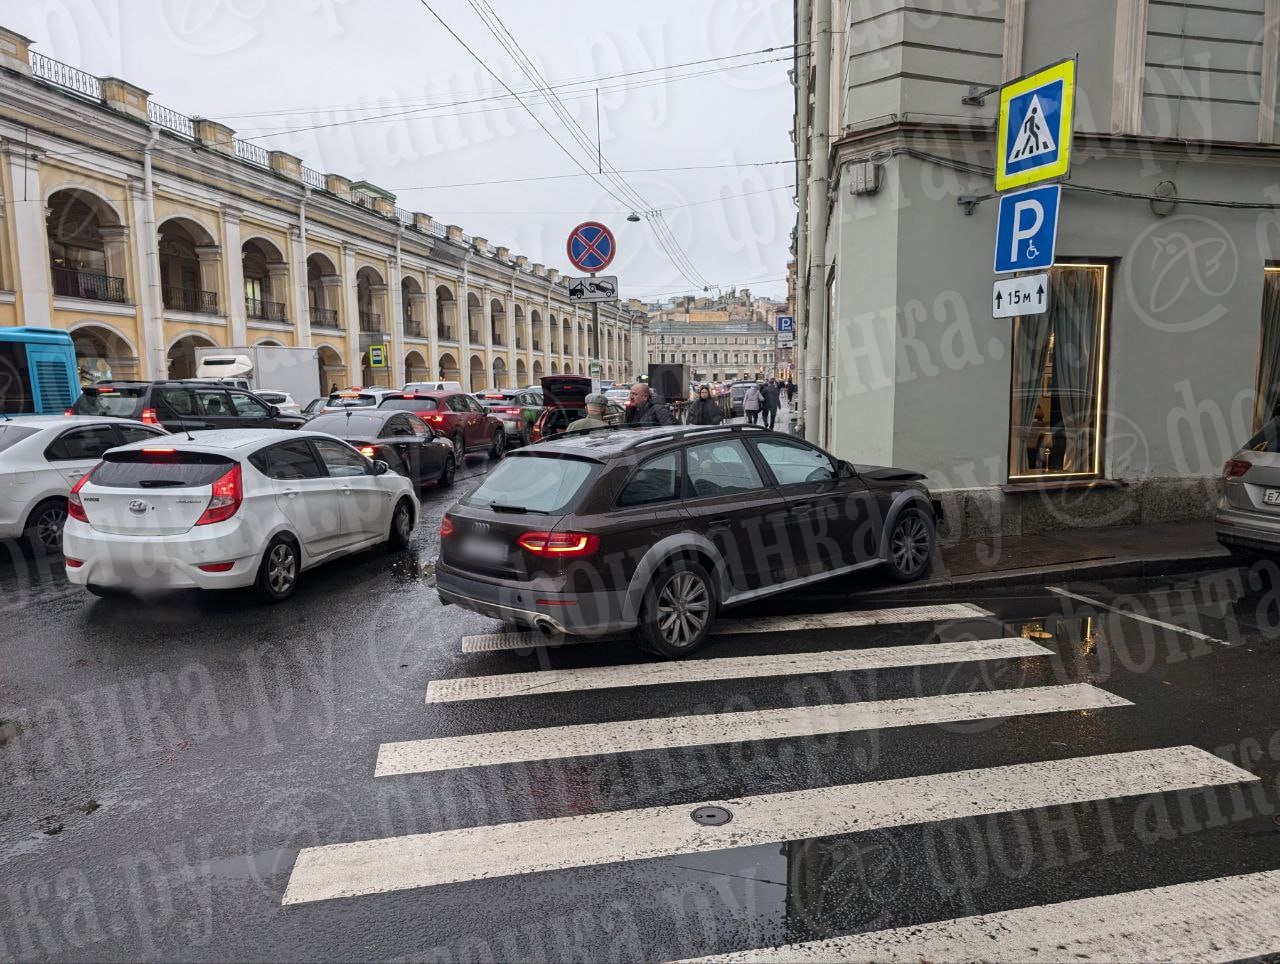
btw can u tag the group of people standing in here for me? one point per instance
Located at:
(762, 399)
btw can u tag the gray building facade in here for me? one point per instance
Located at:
(1160, 352)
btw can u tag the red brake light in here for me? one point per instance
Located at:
(215, 566)
(152, 451)
(508, 411)
(564, 545)
(75, 507)
(149, 416)
(73, 563)
(446, 527)
(438, 419)
(408, 395)
(70, 411)
(228, 493)
(368, 451)
(1235, 468)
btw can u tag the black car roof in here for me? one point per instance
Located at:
(603, 443)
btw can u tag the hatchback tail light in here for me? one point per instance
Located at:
(149, 416)
(75, 507)
(562, 545)
(228, 493)
(368, 451)
(70, 411)
(508, 411)
(1235, 468)
(73, 563)
(434, 419)
(446, 527)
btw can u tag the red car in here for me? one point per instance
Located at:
(457, 416)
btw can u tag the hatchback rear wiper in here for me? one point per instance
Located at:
(499, 507)
(160, 483)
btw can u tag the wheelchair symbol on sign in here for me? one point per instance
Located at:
(1032, 250)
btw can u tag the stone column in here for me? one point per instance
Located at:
(512, 353)
(32, 239)
(278, 288)
(300, 311)
(234, 295)
(210, 256)
(351, 314)
(378, 304)
(396, 327)
(431, 321)
(115, 245)
(152, 349)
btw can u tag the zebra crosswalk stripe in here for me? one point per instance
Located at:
(629, 736)
(502, 850)
(497, 642)
(727, 667)
(1223, 919)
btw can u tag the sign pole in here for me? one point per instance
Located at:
(595, 343)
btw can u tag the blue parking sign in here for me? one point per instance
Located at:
(786, 323)
(1027, 229)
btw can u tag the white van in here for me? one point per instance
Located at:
(433, 387)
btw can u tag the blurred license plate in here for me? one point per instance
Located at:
(1271, 497)
(483, 550)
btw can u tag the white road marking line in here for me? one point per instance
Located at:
(728, 667)
(503, 850)
(847, 620)
(497, 642)
(630, 736)
(1224, 919)
(1097, 603)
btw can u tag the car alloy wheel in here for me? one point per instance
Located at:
(46, 526)
(499, 444)
(910, 545)
(401, 526)
(684, 609)
(448, 472)
(282, 568)
(460, 444)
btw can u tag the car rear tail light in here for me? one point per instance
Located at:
(228, 493)
(70, 411)
(368, 451)
(435, 419)
(1235, 468)
(73, 563)
(446, 527)
(75, 507)
(149, 416)
(408, 395)
(562, 545)
(215, 566)
(508, 411)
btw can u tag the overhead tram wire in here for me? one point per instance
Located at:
(527, 109)
(480, 96)
(661, 230)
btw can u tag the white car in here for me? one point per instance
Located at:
(229, 509)
(42, 457)
(281, 400)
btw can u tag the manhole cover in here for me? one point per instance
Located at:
(711, 816)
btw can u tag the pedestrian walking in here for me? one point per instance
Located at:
(751, 403)
(769, 403)
(705, 410)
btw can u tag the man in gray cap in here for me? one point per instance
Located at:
(594, 417)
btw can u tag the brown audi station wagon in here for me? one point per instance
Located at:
(656, 530)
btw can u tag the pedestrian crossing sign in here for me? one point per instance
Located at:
(1034, 129)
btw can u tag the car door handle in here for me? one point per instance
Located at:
(804, 508)
(720, 521)
(291, 493)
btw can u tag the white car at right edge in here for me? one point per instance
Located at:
(230, 509)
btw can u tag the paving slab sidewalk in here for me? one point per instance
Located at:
(1105, 553)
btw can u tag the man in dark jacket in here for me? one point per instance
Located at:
(769, 407)
(705, 410)
(643, 411)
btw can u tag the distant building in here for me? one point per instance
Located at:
(147, 234)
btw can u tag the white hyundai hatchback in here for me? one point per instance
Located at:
(229, 509)
(42, 457)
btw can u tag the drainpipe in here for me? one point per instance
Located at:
(800, 133)
(464, 324)
(396, 326)
(817, 332)
(160, 361)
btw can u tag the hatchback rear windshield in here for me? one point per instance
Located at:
(347, 426)
(1267, 440)
(120, 402)
(12, 434)
(533, 483)
(353, 401)
(140, 469)
(409, 404)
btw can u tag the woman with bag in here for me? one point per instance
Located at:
(751, 403)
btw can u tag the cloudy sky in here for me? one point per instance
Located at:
(295, 74)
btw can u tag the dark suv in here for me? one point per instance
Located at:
(657, 529)
(182, 406)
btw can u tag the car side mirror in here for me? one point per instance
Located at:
(380, 467)
(847, 471)
(273, 410)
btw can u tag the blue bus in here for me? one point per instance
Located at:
(38, 374)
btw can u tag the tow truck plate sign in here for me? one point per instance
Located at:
(1028, 295)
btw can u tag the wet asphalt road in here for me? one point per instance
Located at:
(164, 763)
